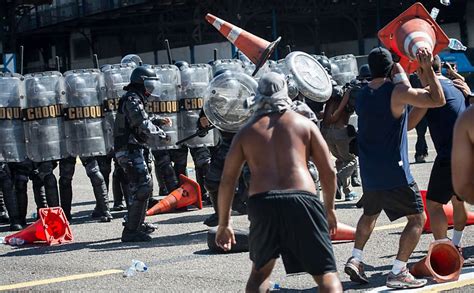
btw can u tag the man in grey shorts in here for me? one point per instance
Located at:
(285, 216)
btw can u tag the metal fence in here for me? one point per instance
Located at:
(45, 15)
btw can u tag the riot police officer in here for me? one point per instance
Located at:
(133, 128)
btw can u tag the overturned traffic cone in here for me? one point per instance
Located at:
(344, 233)
(443, 262)
(256, 49)
(448, 211)
(51, 228)
(189, 193)
(412, 30)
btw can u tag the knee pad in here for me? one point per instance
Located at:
(144, 190)
(45, 169)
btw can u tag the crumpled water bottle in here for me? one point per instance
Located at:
(129, 272)
(456, 45)
(2, 240)
(139, 266)
(16, 241)
(434, 13)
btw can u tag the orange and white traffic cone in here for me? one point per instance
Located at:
(411, 31)
(256, 49)
(189, 193)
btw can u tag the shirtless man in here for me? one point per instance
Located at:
(462, 157)
(285, 216)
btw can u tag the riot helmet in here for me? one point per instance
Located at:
(221, 71)
(324, 61)
(132, 59)
(182, 65)
(140, 73)
(364, 72)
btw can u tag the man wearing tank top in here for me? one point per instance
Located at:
(383, 154)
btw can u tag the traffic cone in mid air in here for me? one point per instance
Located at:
(256, 49)
(412, 30)
(51, 228)
(344, 233)
(189, 193)
(448, 211)
(443, 262)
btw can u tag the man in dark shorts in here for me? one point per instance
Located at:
(462, 158)
(285, 216)
(440, 188)
(383, 154)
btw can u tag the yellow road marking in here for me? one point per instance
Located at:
(391, 226)
(449, 286)
(58, 280)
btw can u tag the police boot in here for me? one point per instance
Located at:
(22, 198)
(39, 194)
(355, 179)
(145, 227)
(171, 181)
(117, 193)
(131, 231)
(200, 178)
(11, 203)
(51, 189)
(101, 210)
(213, 220)
(65, 192)
(161, 182)
(4, 219)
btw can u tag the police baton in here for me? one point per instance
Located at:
(199, 132)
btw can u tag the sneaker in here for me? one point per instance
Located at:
(355, 269)
(420, 158)
(404, 280)
(351, 196)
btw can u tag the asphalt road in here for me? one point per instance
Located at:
(178, 257)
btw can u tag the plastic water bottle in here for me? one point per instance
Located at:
(139, 266)
(16, 241)
(130, 272)
(274, 286)
(2, 240)
(434, 13)
(445, 2)
(456, 45)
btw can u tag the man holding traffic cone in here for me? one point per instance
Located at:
(383, 154)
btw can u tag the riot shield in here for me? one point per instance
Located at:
(165, 105)
(42, 117)
(234, 65)
(194, 82)
(225, 100)
(309, 75)
(83, 113)
(116, 77)
(12, 101)
(347, 65)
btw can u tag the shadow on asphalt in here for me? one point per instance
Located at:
(110, 244)
(345, 205)
(184, 219)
